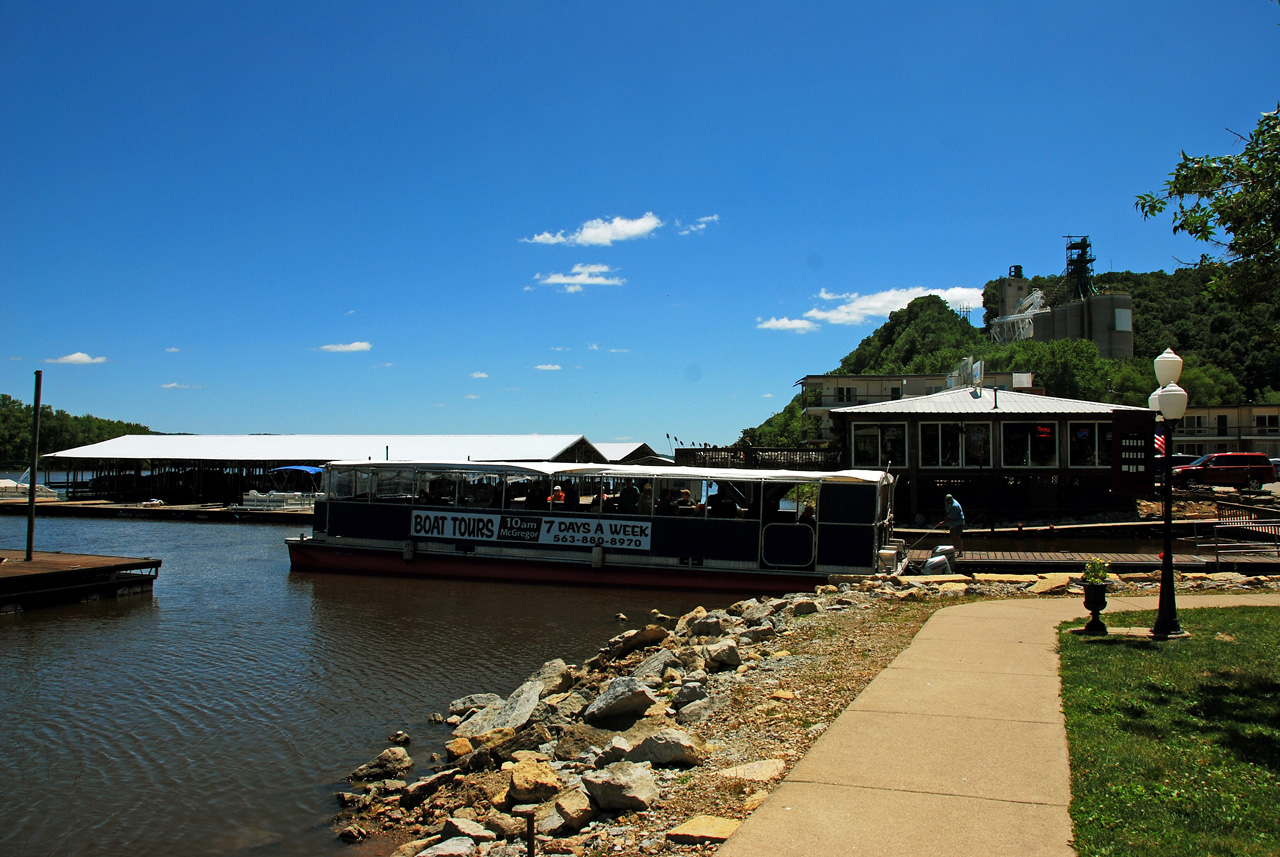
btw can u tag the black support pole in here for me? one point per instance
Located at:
(33, 475)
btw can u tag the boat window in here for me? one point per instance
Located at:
(341, 484)
(731, 499)
(528, 493)
(481, 490)
(436, 489)
(626, 496)
(363, 488)
(787, 502)
(393, 486)
(575, 495)
(682, 497)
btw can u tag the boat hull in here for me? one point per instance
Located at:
(311, 555)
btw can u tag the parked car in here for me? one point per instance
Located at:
(1249, 470)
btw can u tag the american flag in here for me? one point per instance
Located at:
(1159, 444)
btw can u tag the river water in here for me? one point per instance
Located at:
(219, 715)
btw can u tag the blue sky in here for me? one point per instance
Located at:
(624, 220)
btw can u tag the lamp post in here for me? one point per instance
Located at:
(1171, 401)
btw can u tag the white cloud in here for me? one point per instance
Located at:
(79, 358)
(795, 325)
(548, 367)
(767, 396)
(579, 276)
(172, 350)
(698, 225)
(382, 365)
(593, 347)
(348, 347)
(602, 233)
(479, 375)
(619, 350)
(572, 290)
(471, 396)
(177, 386)
(857, 308)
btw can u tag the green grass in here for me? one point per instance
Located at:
(1175, 746)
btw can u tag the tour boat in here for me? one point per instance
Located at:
(600, 525)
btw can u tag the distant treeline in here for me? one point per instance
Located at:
(59, 430)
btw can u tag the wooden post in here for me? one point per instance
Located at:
(32, 476)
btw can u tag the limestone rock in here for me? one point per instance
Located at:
(622, 785)
(695, 711)
(458, 846)
(511, 714)
(476, 832)
(682, 626)
(760, 772)
(534, 782)
(669, 747)
(757, 634)
(621, 696)
(704, 828)
(1051, 584)
(689, 692)
(473, 702)
(656, 664)
(505, 826)
(713, 624)
(575, 807)
(457, 747)
(805, 606)
(555, 676)
(415, 847)
(615, 751)
(722, 654)
(391, 763)
(415, 794)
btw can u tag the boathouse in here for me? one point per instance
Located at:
(221, 469)
(1005, 455)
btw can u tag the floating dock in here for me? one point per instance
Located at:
(59, 578)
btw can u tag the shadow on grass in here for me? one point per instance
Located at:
(1235, 709)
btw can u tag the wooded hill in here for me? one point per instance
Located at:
(1231, 351)
(58, 430)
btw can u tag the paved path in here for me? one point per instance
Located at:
(957, 748)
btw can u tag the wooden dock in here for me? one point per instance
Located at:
(53, 578)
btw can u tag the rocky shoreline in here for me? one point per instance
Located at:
(671, 734)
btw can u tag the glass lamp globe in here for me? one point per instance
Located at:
(1173, 401)
(1168, 367)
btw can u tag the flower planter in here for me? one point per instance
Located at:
(1095, 601)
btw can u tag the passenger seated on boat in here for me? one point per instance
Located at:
(557, 496)
(684, 504)
(572, 498)
(629, 499)
(721, 505)
(807, 515)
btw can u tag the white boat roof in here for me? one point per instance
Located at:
(635, 471)
(320, 447)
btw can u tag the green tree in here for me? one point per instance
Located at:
(1233, 203)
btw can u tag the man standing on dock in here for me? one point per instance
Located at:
(954, 519)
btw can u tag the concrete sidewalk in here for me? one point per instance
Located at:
(958, 747)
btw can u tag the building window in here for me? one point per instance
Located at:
(977, 444)
(845, 394)
(878, 446)
(1089, 445)
(940, 444)
(1029, 445)
(1268, 423)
